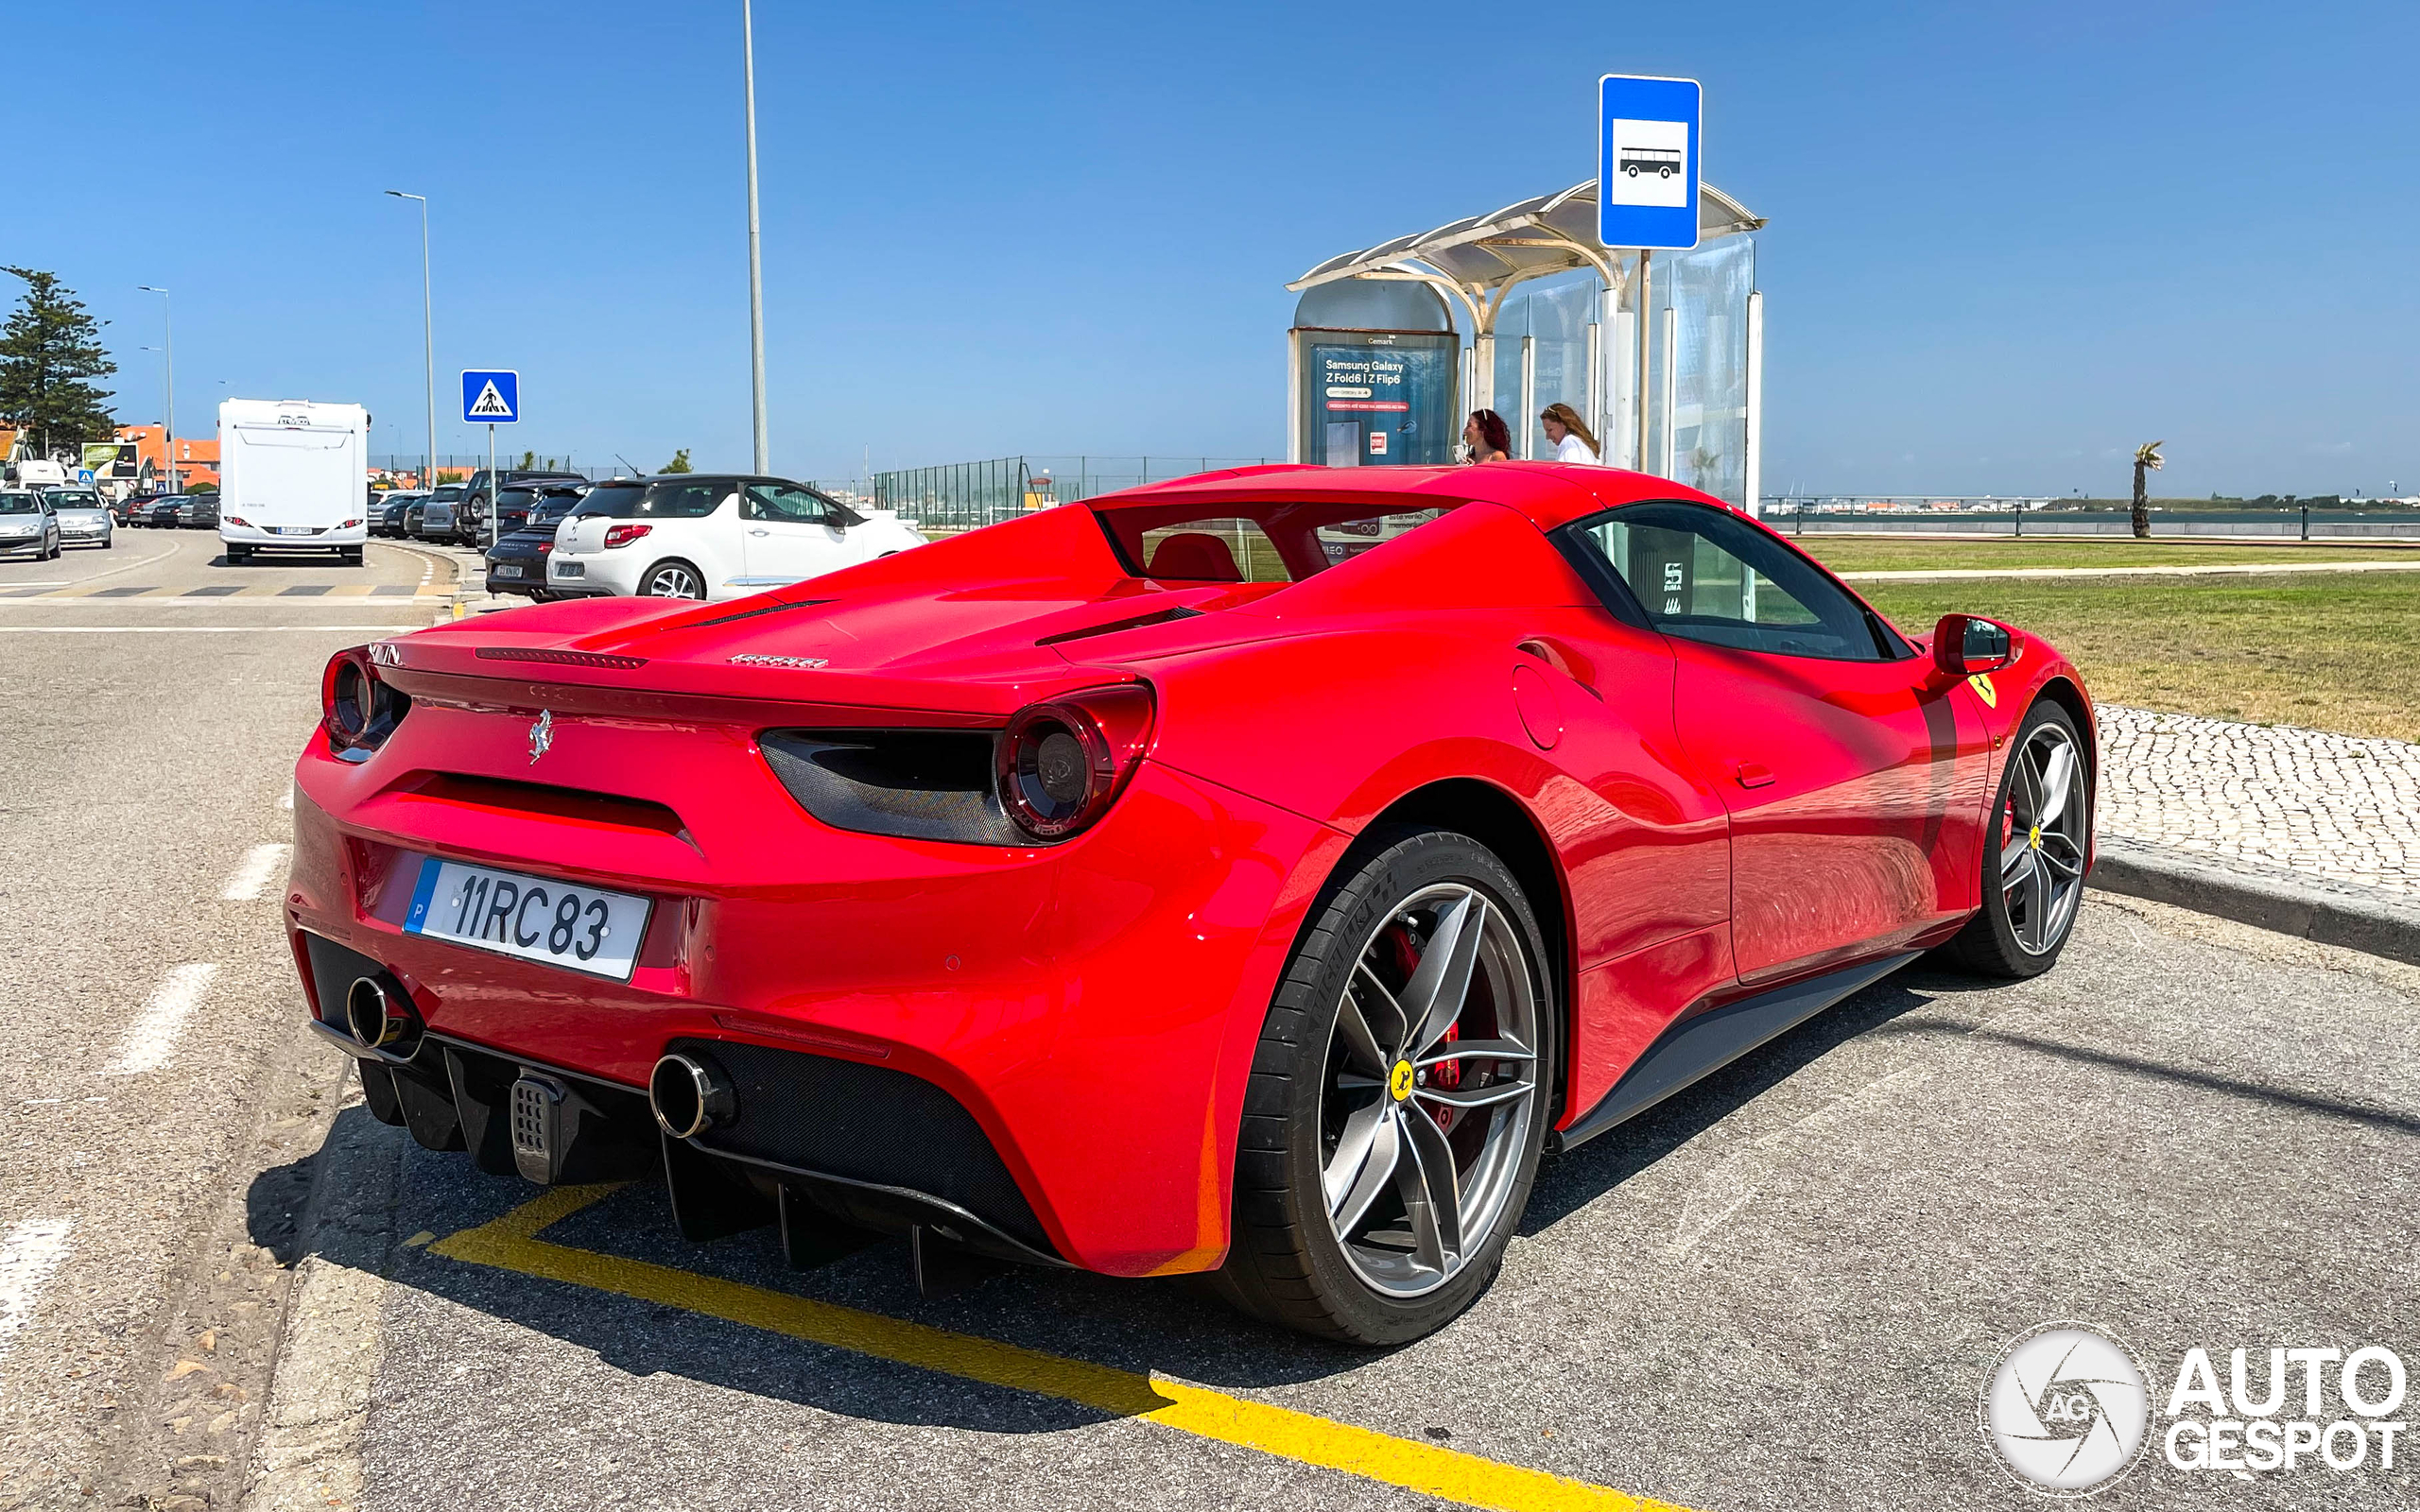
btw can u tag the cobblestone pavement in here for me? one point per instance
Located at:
(2343, 807)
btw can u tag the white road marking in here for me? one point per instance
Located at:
(285, 799)
(32, 1250)
(153, 1034)
(260, 868)
(2232, 568)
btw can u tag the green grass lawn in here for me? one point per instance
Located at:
(2336, 651)
(1858, 554)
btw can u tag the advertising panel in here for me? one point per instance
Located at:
(1378, 398)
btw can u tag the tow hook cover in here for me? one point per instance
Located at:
(537, 1126)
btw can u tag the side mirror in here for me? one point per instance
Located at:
(1964, 645)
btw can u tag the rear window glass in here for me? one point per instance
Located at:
(1277, 542)
(656, 501)
(513, 498)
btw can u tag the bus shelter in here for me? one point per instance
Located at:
(1520, 308)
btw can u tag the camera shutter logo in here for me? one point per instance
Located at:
(2066, 1409)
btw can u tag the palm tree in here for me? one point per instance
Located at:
(2147, 459)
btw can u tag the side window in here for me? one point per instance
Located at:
(684, 501)
(1705, 575)
(770, 501)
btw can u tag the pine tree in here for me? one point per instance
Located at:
(48, 350)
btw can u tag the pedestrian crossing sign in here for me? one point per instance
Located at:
(491, 396)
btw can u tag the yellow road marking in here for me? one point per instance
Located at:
(512, 1244)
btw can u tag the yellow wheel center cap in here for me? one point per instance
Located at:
(1399, 1080)
(2036, 838)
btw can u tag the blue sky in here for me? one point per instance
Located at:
(2008, 243)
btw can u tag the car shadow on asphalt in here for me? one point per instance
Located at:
(1575, 1179)
(1170, 1326)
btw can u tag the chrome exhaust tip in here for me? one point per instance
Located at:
(690, 1096)
(375, 1018)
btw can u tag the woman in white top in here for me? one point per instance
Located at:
(1569, 435)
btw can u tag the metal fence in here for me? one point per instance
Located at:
(964, 495)
(453, 468)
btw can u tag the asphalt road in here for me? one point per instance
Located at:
(147, 1064)
(1783, 1290)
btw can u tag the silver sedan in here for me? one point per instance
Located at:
(84, 517)
(28, 524)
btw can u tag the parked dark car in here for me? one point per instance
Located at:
(159, 512)
(387, 511)
(198, 511)
(471, 516)
(513, 505)
(517, 563)
(447, 497)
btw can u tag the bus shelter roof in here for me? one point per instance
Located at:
(1482, 256)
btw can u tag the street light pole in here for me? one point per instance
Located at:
(169, 394)
(429, 337)
(755, 263)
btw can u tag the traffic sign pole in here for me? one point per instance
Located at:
(1647, 190)
(492, 395)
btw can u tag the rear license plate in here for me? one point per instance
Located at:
(571, 569)
(535, 919)
(291, 530)
(507, 569)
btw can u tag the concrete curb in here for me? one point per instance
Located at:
(2363, 919)
(307, 1457)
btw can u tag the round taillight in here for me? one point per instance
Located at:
(349, 699)
(358, 710)
(1055, 771)
(1060, 764)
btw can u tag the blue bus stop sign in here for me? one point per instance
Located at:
(1646, 165)
(491, 396)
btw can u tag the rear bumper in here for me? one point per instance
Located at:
(323, 540)
(1091, 1008)
(602, 574)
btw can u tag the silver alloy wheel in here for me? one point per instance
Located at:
(2042, 829)
(1430, 1089)
(673, 580)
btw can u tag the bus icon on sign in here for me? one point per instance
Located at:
(1660, 161)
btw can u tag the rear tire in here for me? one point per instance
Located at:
(239, 556)
(1373, 1201)
(673, 579)
(350, 557)
(2038, 832)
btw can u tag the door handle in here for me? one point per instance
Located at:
(760, 531)
(1753, 774)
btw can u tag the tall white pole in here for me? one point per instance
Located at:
(169, 394)
(1671, 388)
(755, 261)
(1753, 481)
(429, 337)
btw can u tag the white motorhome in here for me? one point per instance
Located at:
(34, 473)
(292, 476)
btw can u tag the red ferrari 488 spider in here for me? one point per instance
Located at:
(1253, 874)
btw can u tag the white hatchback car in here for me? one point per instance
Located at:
(699, 536)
